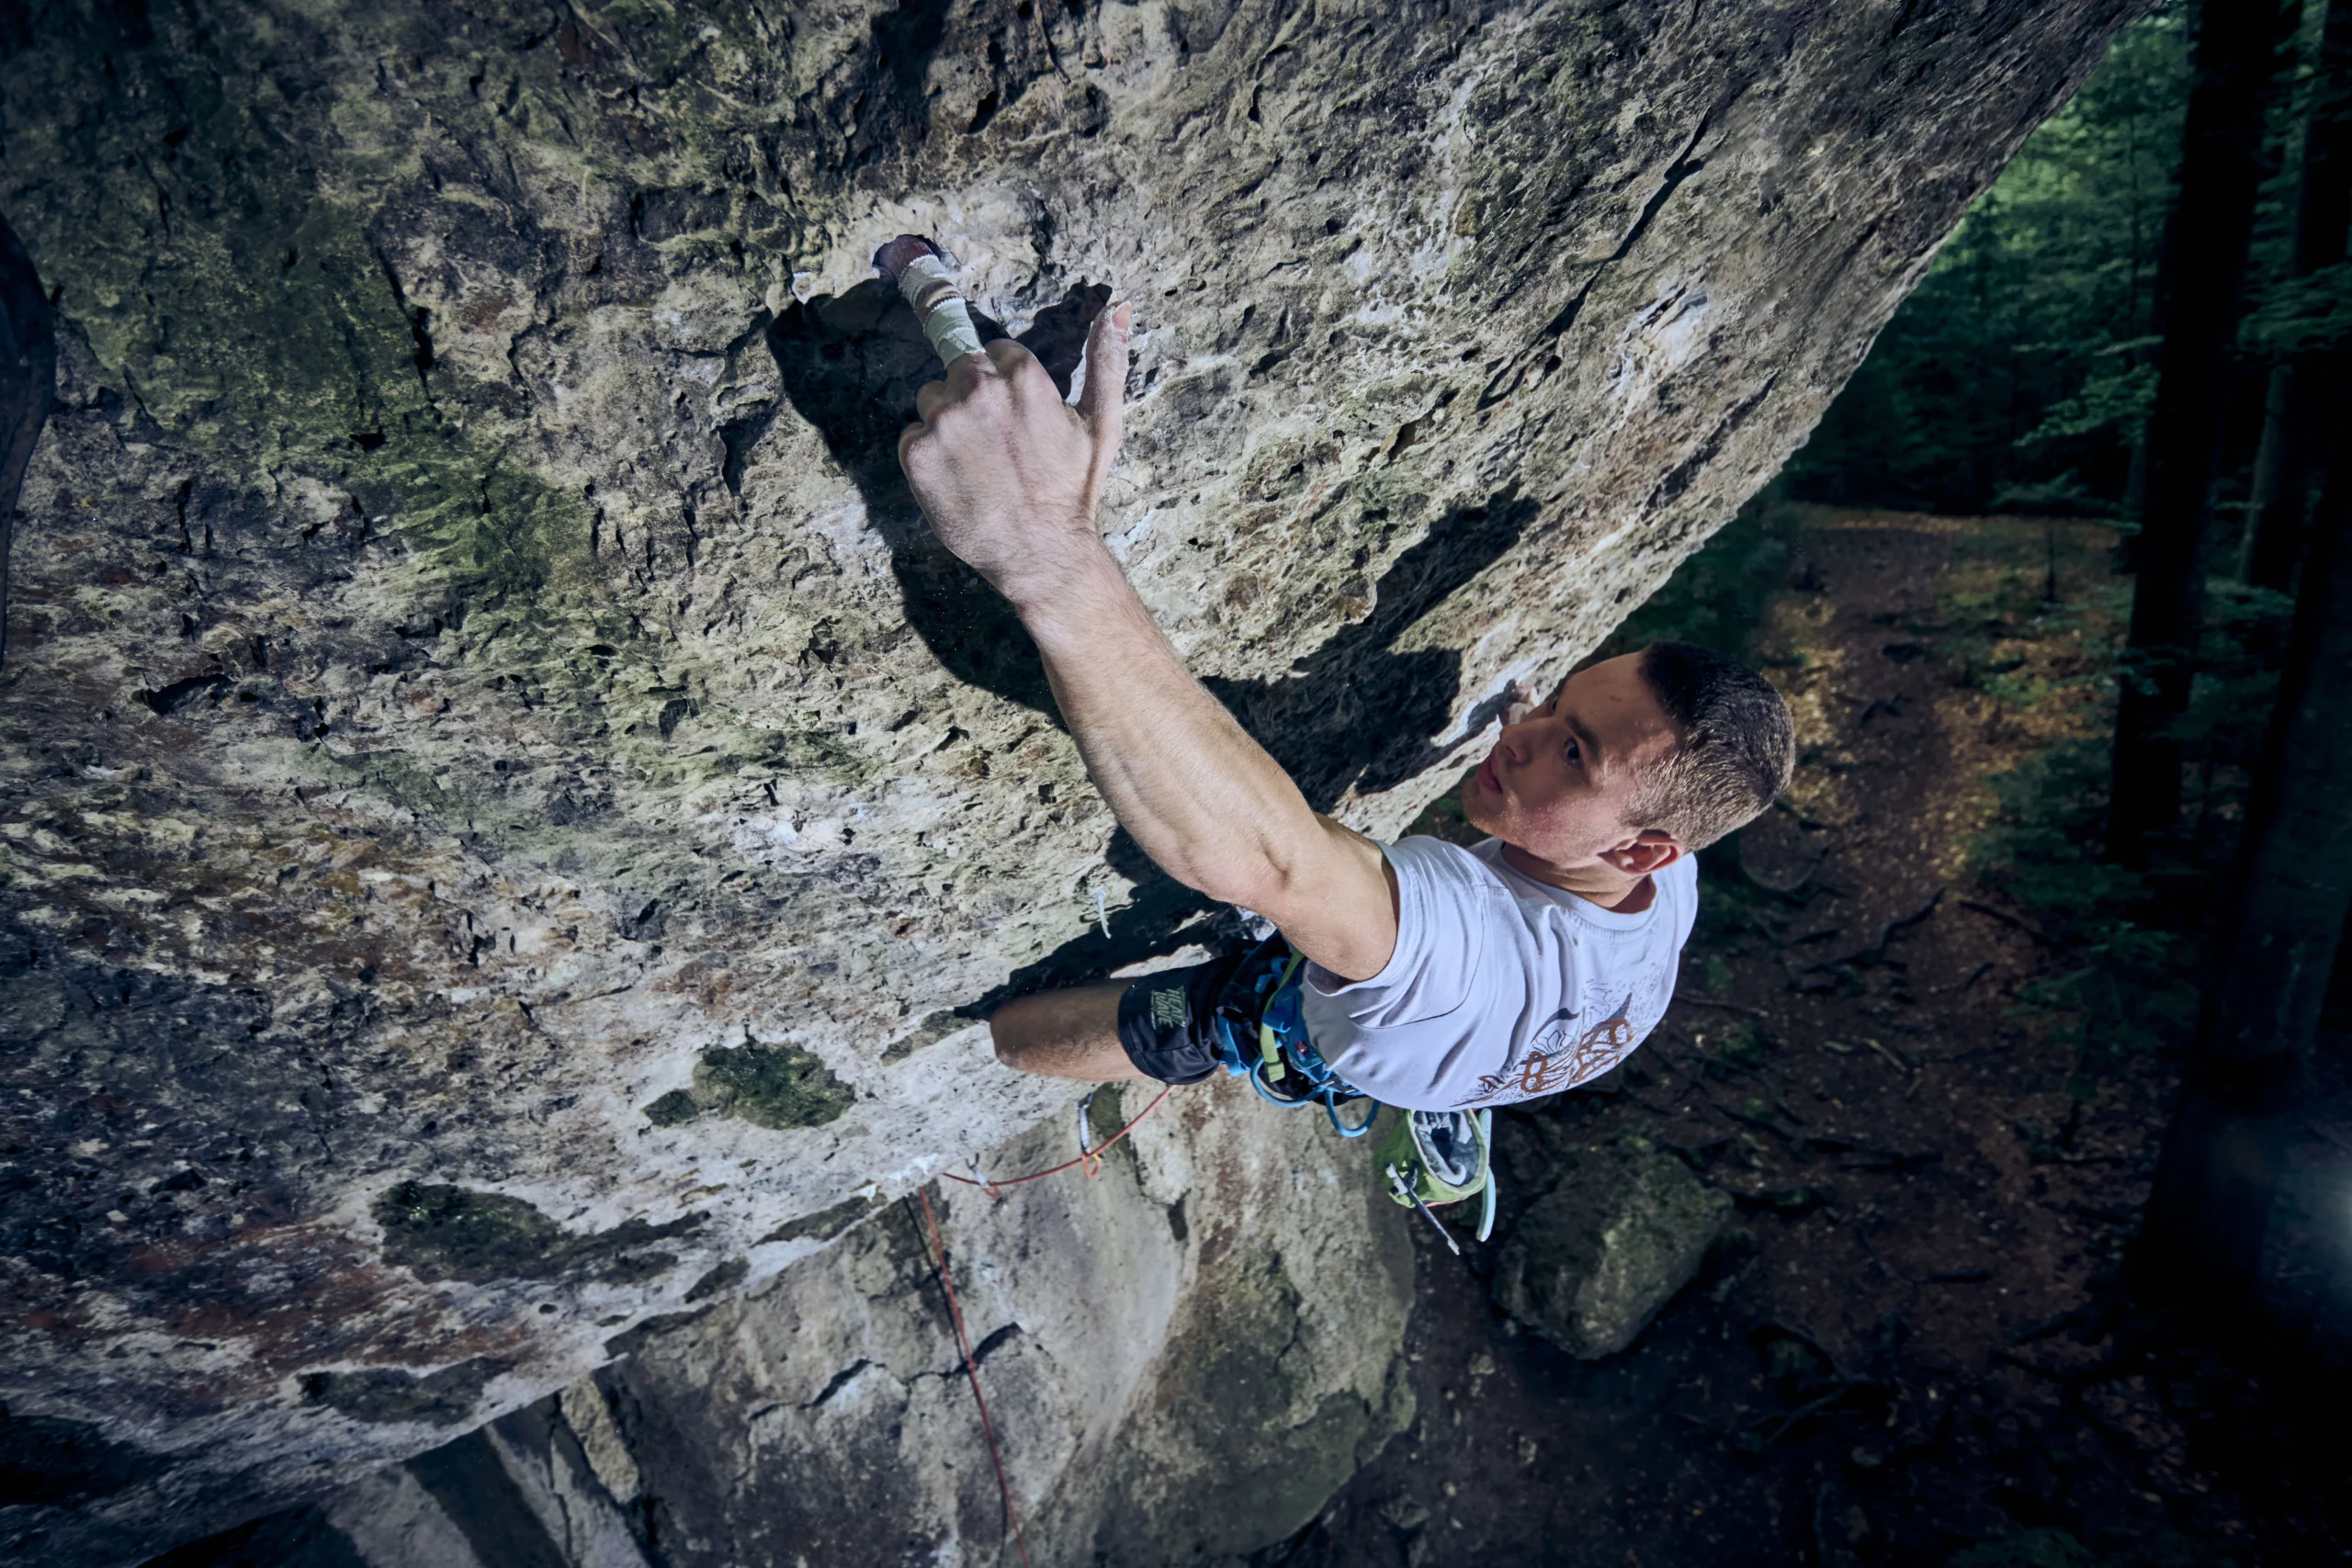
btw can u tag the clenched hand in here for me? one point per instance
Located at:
(1009, 474)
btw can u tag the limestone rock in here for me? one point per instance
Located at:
(508, 813)
(1183, 1357)
(1590, 1261)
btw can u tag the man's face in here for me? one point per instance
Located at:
(1560, 784)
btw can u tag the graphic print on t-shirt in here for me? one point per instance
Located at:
(1502, 988)
(1556, 1064)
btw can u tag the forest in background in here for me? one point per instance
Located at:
(2144, 321)
(2018, 376)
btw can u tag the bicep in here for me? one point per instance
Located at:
(1337, 901)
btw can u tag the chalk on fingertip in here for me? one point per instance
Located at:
(914, 264)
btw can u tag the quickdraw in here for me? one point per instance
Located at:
(1428, 1157)
(1088, 1160)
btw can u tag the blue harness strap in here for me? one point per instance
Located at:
(1267, 986)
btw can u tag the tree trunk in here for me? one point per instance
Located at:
(2199, 1252)
(2285, 464)
(2238, 53)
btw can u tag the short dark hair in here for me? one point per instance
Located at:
(1734, 745)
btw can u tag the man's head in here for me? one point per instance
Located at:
(1636, 761)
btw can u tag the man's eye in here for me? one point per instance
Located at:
(1575, 753)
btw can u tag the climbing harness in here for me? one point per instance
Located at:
(1280, 1062)
(1441, 1156)
(1427, 1158)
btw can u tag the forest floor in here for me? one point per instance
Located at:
(1901, 1358)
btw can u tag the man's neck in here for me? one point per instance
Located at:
(1596, 883)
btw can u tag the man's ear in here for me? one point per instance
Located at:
(1645, 854)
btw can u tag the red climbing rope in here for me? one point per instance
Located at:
(972, 1370)
(1092, 1159)
(993, 1187)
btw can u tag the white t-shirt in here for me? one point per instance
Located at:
(1502, 988)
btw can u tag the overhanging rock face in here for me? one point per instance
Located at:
(504, 800)
(1183, 1360)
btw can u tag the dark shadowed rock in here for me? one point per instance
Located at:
(28, 379)
(440, 1399)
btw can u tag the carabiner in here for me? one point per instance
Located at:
(1331, 1109)
(1270, 1098)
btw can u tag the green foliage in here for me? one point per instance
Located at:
(1716, 974)
(2115, 399)
(2301, 315)
(2028, 1548)
(2129, 945)
(2019, 372)
(2123, 984)
(2237, 681)
(1741, 1045)
(1977, 628)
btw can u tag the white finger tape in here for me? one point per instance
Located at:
(946, 320)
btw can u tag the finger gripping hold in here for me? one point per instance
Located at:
(913, 264)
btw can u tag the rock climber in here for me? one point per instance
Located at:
(1434, 976)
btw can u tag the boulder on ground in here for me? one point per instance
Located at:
(1624, 1226)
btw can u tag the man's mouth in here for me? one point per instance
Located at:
(1487, 780)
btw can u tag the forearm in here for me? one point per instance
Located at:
(1201, 798)
(1009, 476)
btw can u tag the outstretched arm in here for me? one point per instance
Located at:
(1009, 476)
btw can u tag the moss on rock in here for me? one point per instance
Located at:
(440, 1232)
(769, 1086)
(674, 1109)
(387, 1394)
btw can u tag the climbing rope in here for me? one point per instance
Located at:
(972, 1370)
(1090, 1159)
